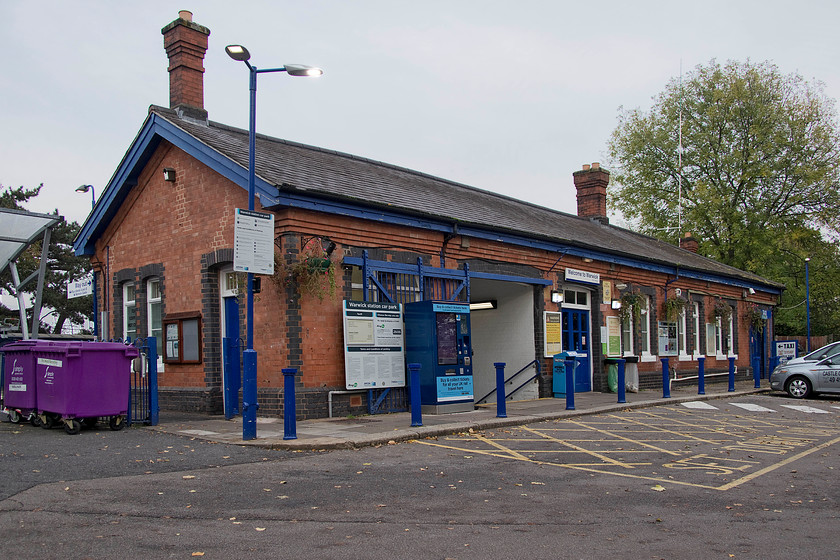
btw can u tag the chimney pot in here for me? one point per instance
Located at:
(591, 185)
(185, 43)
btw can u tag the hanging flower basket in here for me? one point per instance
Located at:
(674, 307)
(721, 310)
(313, 274)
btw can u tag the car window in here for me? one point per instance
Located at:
(824, 352)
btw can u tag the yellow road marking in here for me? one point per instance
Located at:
(613, 434)
(578, 448)
(775, 466)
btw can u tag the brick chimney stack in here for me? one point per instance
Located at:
(689, 243)
(185, 43)
(591, 184)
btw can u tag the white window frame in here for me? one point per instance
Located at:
(129, 305)
(645, 331)
(151, 330)
(627, 335)
(682, 336)
(730, 337)
(695, 306)
(719, 339)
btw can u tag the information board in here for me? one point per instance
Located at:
(253, 242)
(374, 352)
(553, 333)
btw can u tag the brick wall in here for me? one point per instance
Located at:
(183, 233)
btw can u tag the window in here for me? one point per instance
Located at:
(575, 298)
(129, 312)
(627, 334)
(153, 313)
(730, 336)
(695, 348)
(682, 335)
(644, 327)
(182, 334)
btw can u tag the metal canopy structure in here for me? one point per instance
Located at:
(18, 230)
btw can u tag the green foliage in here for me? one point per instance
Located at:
(63, 266)
(759, 176)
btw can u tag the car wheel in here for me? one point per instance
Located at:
(798, 387)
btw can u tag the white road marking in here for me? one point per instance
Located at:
(805, 409)
(752, 407)
(699, 405)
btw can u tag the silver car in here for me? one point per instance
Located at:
(807, 378)
(818, 354)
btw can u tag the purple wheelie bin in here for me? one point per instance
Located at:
(83, 381)
(19, 391)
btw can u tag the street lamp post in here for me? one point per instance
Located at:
(84, 189)
(807, 305)
(249, 357)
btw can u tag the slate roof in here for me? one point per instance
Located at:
(294, 167)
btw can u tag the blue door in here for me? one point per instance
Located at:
(232, 372)
(576, 338)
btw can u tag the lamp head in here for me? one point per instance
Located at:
(84, 188)
(301, 70)
(238, 52)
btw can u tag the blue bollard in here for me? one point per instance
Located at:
(756, 367)
(731, 374)
(289, 409)
(701, 375)
(571, 364)
(249, 395)
(621, 389)
(501, 408)
(666, 383)
(416, 413)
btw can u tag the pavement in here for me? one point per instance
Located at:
(383, 429)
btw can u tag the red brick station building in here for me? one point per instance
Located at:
(161, 240)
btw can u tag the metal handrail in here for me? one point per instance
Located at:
(535, 376)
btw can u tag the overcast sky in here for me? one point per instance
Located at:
(507, 96)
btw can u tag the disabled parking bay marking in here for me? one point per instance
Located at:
(671, 445)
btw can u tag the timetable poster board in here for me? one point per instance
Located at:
(553, 333)
(613, 336)
(374, 352)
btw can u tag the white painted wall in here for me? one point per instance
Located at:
(504, 334)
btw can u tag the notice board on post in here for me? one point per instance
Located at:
(374, 349)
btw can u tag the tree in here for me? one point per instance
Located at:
(756, 181)
(63, 266)
(760, 158)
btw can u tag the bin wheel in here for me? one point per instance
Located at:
(116, 423)
(35, 420)
(14, 416)
(47, 421)
(72, 426)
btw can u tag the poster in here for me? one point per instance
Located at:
(374, 353)
(668, 339)
(613, 336)
(553, 333)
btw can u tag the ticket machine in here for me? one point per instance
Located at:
(437, 336)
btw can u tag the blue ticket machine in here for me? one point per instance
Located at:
(437, 336)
